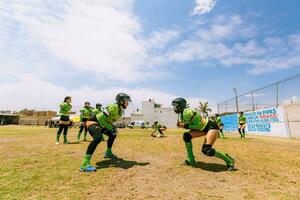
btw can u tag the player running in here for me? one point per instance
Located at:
(101, 124)
(198, 127)
(64, 122)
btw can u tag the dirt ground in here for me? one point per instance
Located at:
(33, 167)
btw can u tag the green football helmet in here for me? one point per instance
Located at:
(98, 105)
(179, 104)
(121, 98)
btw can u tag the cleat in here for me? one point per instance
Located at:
(89, 168)
(233, 161)
(230, 168)
(56, 142)
(188, 163)
(66, 142)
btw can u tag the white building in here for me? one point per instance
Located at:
(152, 112)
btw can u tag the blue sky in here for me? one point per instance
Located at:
(199, 49)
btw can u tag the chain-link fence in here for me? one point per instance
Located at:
(282, 92)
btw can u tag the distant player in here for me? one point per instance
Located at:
(198, 126)
(101, 124)
(98, 109)
(157, 127)
(64, 122)
(85, 114)
(242, 124)
(221, 126)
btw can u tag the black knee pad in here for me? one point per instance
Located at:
(208, 150)
(187, 137)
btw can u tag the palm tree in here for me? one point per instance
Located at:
(204, 109)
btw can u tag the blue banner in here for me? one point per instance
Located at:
(230, 122)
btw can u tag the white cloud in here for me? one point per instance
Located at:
(159, 39)
(203, 7)
(29, 91)
(102, 37)
(230, 41)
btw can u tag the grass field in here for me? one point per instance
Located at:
(33, 167)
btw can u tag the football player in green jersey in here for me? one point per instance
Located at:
(98, 109)
(101, 124)
(242, 124)
(198, 126)
(221, 126)
(157, 127)
(85, 114)
(64, 122)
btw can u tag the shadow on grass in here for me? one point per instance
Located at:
(213, 167)
(120, 163)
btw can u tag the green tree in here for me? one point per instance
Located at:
(204, 109)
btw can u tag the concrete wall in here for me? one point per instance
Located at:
(293, 118)
(134, 117)
(168, 117)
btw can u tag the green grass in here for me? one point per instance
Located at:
(33, 167)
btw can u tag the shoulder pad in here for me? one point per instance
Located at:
(188, 114)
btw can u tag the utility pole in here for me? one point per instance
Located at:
(253, 106)
(236, 100)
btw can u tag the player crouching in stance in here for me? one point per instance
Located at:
(157, 127)
(100, 124)
(190, 119)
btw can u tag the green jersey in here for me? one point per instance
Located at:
(65, 108)
(110, 115)
(85, 112)
(218, 120)
(96, 111)
(242, 119)
(157, 126)
(193, 120)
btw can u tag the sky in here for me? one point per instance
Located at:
(94, 49)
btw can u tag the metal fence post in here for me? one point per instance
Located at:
(236, 100)
(253, 107)
(277, 94)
